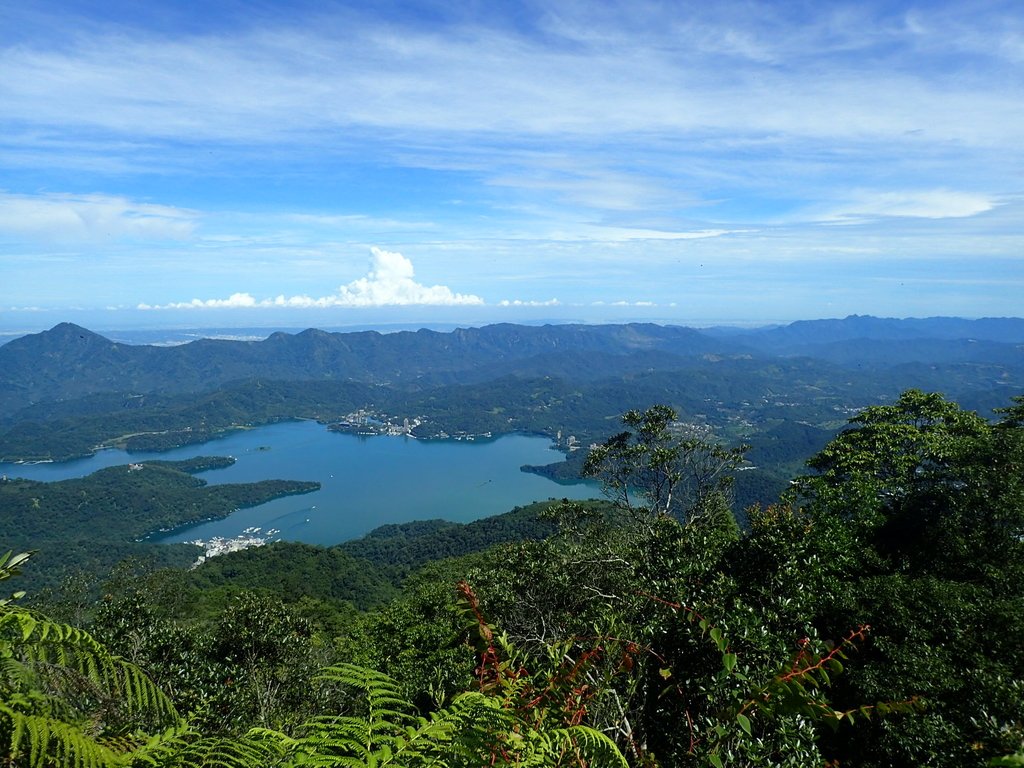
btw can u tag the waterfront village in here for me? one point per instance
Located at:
(367, 423)
(221, 545)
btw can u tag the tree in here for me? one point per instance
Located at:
(929, 500)
(659, 466)
(934, 488)
(688, 657)
(66, 700)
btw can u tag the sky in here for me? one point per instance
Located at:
(326, 164)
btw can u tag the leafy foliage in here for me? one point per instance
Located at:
(871, 619)
(475, 729)
(672, 470)
(94, 522)
(930, 501)
(65, 699)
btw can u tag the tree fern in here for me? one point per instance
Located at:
(189, 749)
(65, 699)
(36, 740)
(387, 735)
(61, 657)
(492, 733)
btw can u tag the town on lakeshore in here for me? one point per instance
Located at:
(253, 536)
(367, 423)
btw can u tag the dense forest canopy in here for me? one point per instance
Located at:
(90, 524)
(871, 617)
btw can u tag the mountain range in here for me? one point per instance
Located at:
(68, 361)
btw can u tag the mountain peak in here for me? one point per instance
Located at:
(70, 330)
(61, 336)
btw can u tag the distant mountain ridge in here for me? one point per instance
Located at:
(69, 362)
(860, 340)
(803, 334)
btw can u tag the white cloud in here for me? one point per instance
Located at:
(678, 72)
(591, 187)
(521, 303)
(925, 204)
(234, 301)
(390, 282)
(64, 217)
(622, 234)
(350, 222)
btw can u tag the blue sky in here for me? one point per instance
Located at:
(278, 164)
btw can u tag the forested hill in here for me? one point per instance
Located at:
(69, 362)
(90, 524)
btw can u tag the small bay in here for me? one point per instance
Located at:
(365, 481)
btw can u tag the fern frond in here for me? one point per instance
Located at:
(69, 659)
(496, 735)
(389, 735)
(586, 745)
(37, 741)
(382, 693)
(64, 696)
(261, 749)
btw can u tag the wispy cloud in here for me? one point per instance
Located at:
(588, 109)
(586, 149)
(65, 217)
(521, 303)
(925, 204)
(390, 282)
(829, 77)
(624, 303)
(357, 221)
(622, 234)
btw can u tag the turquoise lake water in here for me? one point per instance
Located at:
(366, 481)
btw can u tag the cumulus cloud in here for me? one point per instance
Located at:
(64, 217)
(390, 282)
(235, 300)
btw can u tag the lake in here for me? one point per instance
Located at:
(366, 481)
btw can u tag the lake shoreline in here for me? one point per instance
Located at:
(364, 482)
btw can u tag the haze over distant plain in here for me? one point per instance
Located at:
(332, 164)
